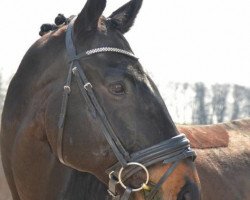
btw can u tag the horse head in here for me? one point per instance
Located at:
(103, 114)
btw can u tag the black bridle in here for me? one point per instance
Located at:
(170, 151)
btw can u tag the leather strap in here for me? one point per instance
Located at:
(162, 180)
(126, 194)
(80, 84)
(66, 93)
(176, 148)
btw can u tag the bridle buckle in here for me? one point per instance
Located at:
(67, 89)
(113, 182)
(87, 86)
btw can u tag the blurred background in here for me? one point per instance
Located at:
(197, 52)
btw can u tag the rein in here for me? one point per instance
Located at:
(169, 151)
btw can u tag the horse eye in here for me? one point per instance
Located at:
(117, 88)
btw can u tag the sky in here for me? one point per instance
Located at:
(176, 40)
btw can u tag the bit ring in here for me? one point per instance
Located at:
(143, 184)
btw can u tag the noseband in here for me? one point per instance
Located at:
(169, 151)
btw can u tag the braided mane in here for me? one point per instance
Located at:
(60, 20)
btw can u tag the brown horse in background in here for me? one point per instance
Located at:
(223, 160)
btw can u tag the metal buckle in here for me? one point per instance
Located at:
(111, 175)
(67, 89)
(74, 70)
(134, 189)
(87, 85)
(112, 186)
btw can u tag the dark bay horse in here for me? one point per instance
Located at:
(84, 106)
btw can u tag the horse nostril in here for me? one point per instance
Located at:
(186, 196)
(189, 191)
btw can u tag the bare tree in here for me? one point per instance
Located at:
(219, 101)
(238, 95)
(199, 107)
(247, 106)
(201, 104)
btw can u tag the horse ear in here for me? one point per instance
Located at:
(123, 18)
(89, 16)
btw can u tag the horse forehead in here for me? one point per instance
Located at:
(125, 69)
(106, 35)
